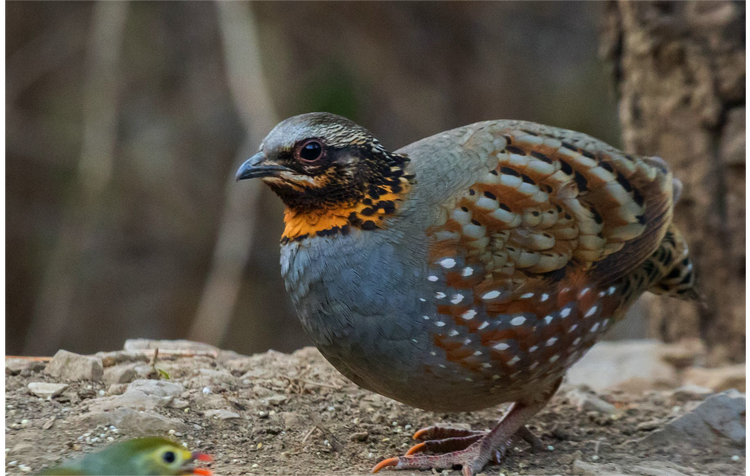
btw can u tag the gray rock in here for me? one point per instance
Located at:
(25, 366)
(221, 414)
(46, 390)
(133, 399)
(609, 364)
(209, 401)
(160, 388)
(69, 366)
(179, 404)
(719, 419)
(133, 421)
(140, 395)
(275, 400)
(119, 374)
(117, 389)
(587, 401)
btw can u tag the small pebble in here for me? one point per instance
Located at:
(361, 436)
(206, 390)
(24, 468)
(550, 448)
(735, 458)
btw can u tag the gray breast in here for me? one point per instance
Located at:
(356, 298)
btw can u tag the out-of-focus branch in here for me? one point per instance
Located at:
(253, 103)
(53, 309)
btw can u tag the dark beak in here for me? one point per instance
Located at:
(256, 166)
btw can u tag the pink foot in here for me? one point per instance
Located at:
(472, 459)
(471, 450)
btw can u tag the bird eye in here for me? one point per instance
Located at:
(310, 151)
(169, 457)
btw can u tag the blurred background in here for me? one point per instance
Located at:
(127, 121)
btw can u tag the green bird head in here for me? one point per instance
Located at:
(137, 457)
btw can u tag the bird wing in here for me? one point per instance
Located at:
(549, 206)
(539, 239)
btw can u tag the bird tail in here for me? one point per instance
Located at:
(678, 273)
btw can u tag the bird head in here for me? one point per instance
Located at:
(161, 456)
(141, 457)
(331, 174)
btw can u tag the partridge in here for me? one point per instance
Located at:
(470, 268)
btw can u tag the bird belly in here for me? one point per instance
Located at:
(414, 339)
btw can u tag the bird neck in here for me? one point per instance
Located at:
(380, 197)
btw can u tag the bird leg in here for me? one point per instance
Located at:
(471, 450)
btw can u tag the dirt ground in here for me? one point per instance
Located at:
(294, 414)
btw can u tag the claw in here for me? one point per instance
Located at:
(420, 434)
(384, 464)
(418, 448)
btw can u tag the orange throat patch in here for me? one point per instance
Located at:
(367, 214)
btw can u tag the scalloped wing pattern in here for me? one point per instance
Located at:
(530, 262)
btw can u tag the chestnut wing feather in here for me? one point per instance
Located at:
(553, 204)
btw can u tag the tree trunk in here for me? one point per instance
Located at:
(679, 70)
